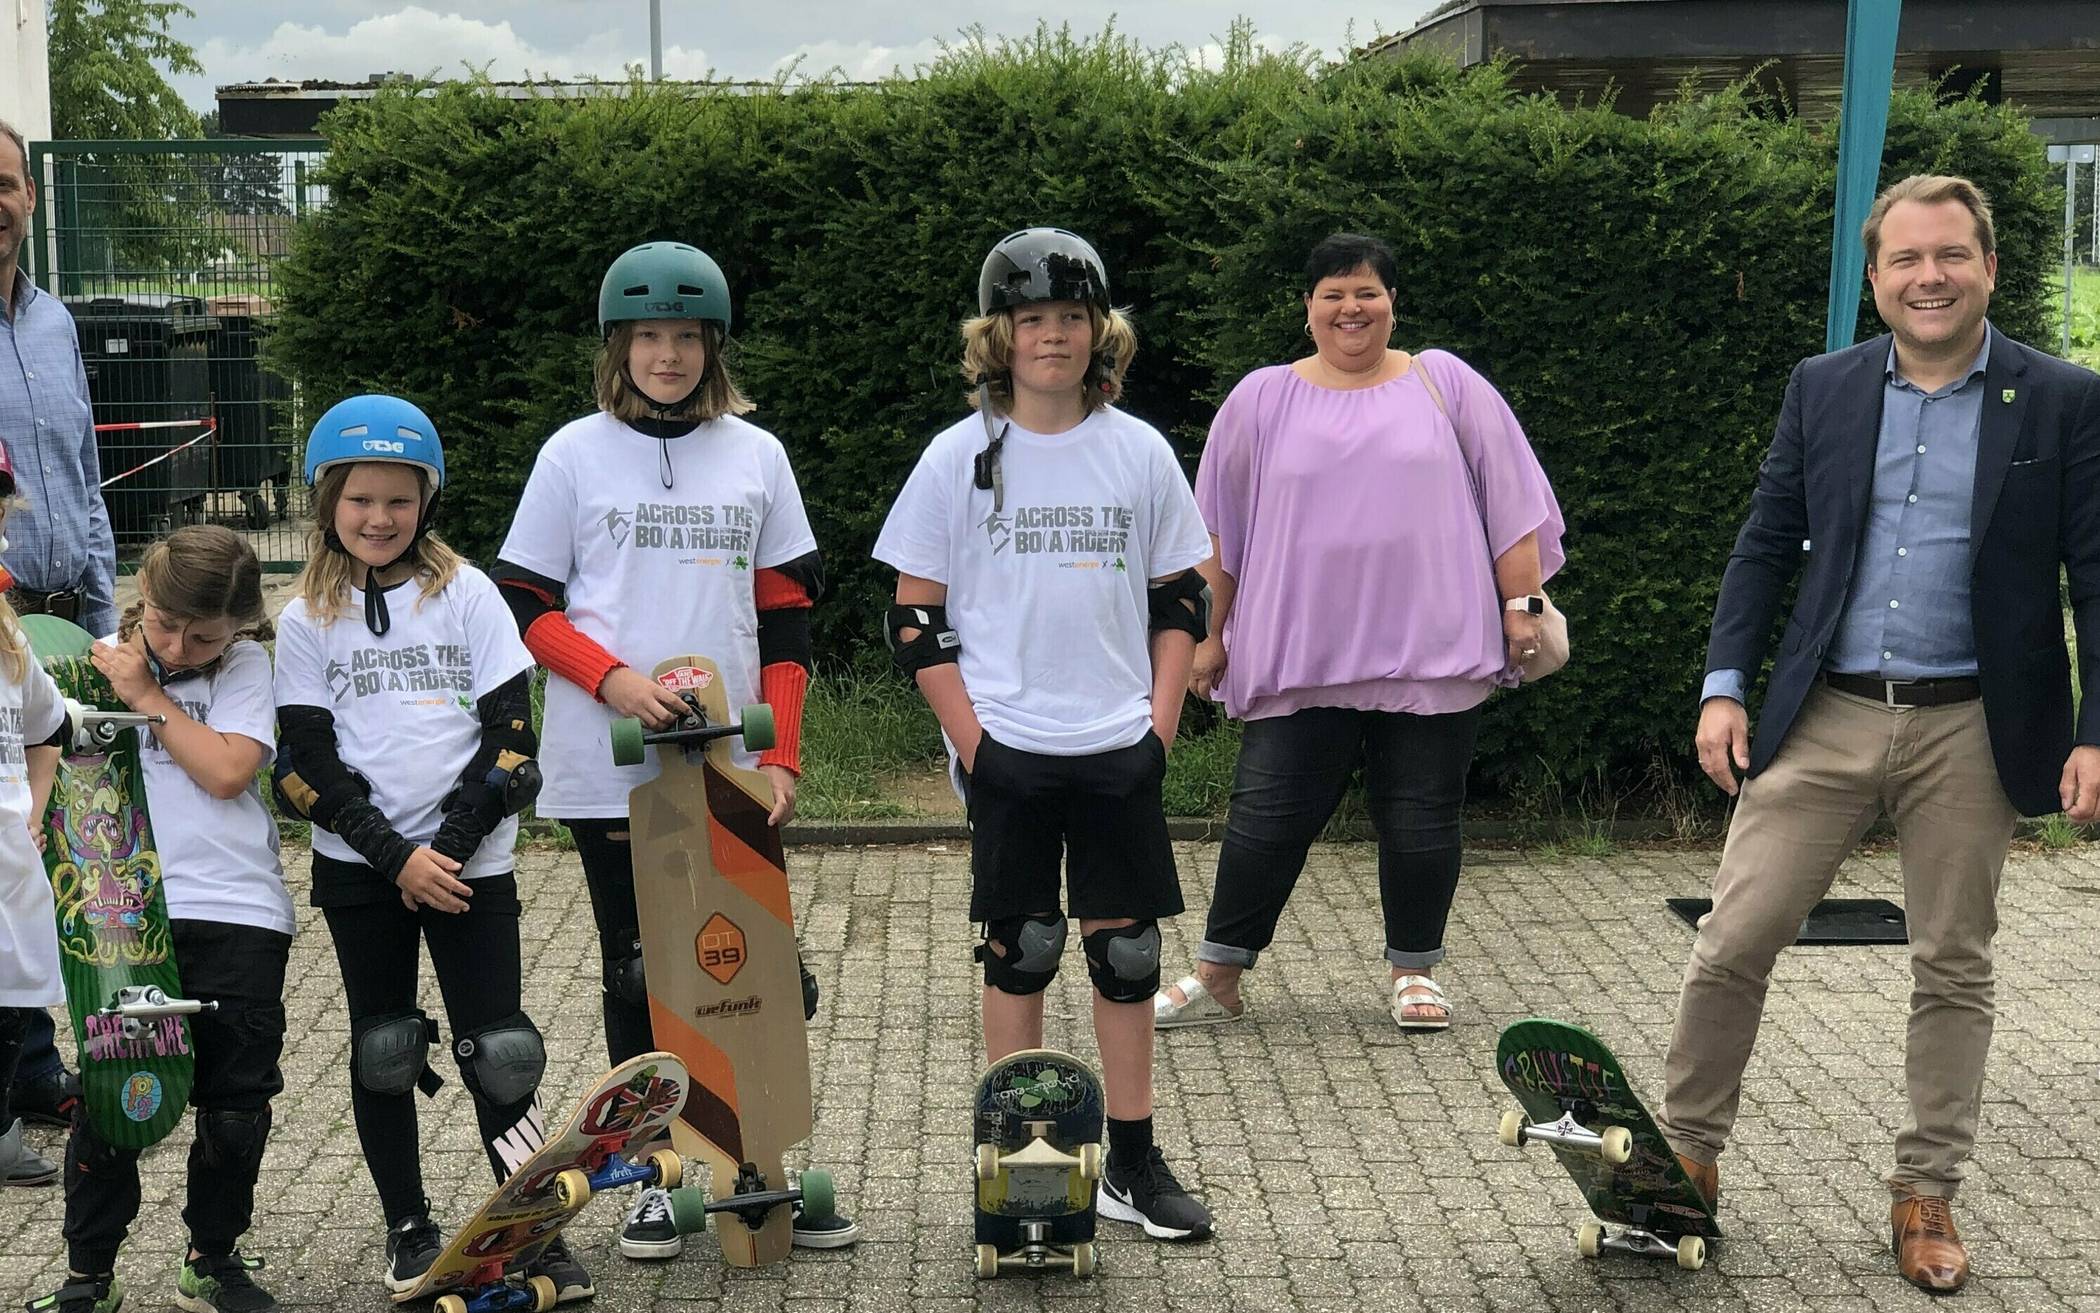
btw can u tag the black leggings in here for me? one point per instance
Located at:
(1291, 774)
(14, 1025)
(476, 956)
(608, 871)
(237, 1047)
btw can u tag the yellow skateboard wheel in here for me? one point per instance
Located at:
(572, 1189)
(544, 1293)
(1083, 1259)
(987, 1262)
(987, 1161)
(670, 1168)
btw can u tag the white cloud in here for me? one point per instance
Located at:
(418, 40)
(857, 61)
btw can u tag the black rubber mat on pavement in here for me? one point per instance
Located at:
(1836, 921)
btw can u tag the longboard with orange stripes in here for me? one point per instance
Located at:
(718, 948)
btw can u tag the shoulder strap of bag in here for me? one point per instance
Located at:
(1421, 371)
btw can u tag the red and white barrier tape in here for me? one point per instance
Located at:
(209, 424)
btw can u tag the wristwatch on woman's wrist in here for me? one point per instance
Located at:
(1531, 604)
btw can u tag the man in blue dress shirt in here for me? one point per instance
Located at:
(59, 547)
(1925, 487)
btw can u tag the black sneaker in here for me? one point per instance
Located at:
(103, 1294)
(222, 1284)
(1149, 1195)
(46, 1100)
(649, 1232)
(558, 1265)
(411, 1247)
(833, 1232)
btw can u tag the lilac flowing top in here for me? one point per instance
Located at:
(1363, 556)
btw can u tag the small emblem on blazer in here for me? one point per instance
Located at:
(2007, 396)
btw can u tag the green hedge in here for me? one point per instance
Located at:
(1638, 288)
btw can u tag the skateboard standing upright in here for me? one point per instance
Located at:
(1038, 1133)
(724, 976)
(625, 1109)
(1577, 1100)
(116, 952)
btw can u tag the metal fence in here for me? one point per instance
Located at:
(166, 253)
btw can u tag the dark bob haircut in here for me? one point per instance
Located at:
(1341, 253)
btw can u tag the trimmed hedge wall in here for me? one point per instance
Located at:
(1638, 288)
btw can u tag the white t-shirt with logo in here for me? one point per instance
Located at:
(651, 572)
(405, 705)
(1048, 594)
(30, 711)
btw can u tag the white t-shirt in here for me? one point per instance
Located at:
(1048, 594)
(651, 572)
(29, 713)
(218, 857)
(404, 705)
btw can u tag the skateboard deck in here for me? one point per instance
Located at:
(1576, 1099)
(115, 950)
(623, 1111)
(724, 977)
(1038, 1133)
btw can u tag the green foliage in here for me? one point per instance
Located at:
(106, 60)
(1638, 288)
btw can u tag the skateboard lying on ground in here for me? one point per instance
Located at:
(623, 1111)
(115, 950)
(1038, 1133)
(1577, 1100)
(724, 977)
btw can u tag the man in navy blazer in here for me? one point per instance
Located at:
(1925, 487)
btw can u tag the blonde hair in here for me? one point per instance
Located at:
(325, 583)
(202, 572)
(988, 356)
(716, 396)
(14, 644)
(1929, 189)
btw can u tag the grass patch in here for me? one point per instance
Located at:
(858, 728)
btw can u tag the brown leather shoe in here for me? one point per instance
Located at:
(1705, 1177)
(1928, 1252)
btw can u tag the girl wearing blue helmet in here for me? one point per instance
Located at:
(663, 523)
(405, 736)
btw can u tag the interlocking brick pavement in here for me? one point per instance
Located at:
(1351, 1166)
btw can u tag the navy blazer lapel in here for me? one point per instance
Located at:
(1857, 416)
(1998, 431)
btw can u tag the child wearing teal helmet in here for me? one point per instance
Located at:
(405, 736)
(661, 524)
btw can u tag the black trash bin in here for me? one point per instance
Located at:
(148, 357)
(254, 407)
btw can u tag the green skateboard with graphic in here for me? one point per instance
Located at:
(1039, 1120)
(115, 951)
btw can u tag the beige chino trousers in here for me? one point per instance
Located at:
(1848, 760)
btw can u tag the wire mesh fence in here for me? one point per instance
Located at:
(165, 252)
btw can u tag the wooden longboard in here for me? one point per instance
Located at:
(1038, 1132)
(718, 949)
(112, 912)
(1577, 1100)
(625, 1109)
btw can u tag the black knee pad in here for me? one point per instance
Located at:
(1124, 962)
(233, 1141)
(1029, 947)
(390, 1053)
(502, 1063)
(624, 979)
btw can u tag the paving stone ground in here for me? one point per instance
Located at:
(1350, 1166)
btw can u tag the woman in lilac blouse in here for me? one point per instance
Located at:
(1372, 582)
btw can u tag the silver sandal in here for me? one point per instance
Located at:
(1200, 1009)
(1427, 994)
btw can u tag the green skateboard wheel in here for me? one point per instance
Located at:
(689, 1209)
(627, 746)
(818, 1196)
(51, 637)
(758, 727)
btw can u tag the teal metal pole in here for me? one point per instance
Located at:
(1863, 124)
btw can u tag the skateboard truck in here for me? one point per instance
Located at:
(1614, 1144)
(751, 1200)
(692, 731)
(1593, 1239)
(96, 730)
(135, 1005)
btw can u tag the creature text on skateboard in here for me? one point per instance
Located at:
(1038, 1134)
(116, 952)
(623, 1111)
(1577, 1100)
(724, 977)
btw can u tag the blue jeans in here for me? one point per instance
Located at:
(1291, 775)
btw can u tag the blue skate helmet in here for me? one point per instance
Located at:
(377, 427)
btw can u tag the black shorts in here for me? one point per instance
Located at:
(1028, 810)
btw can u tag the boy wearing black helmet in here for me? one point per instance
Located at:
(1048, 608)
(662, 523)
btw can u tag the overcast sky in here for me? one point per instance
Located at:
(242, 41)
